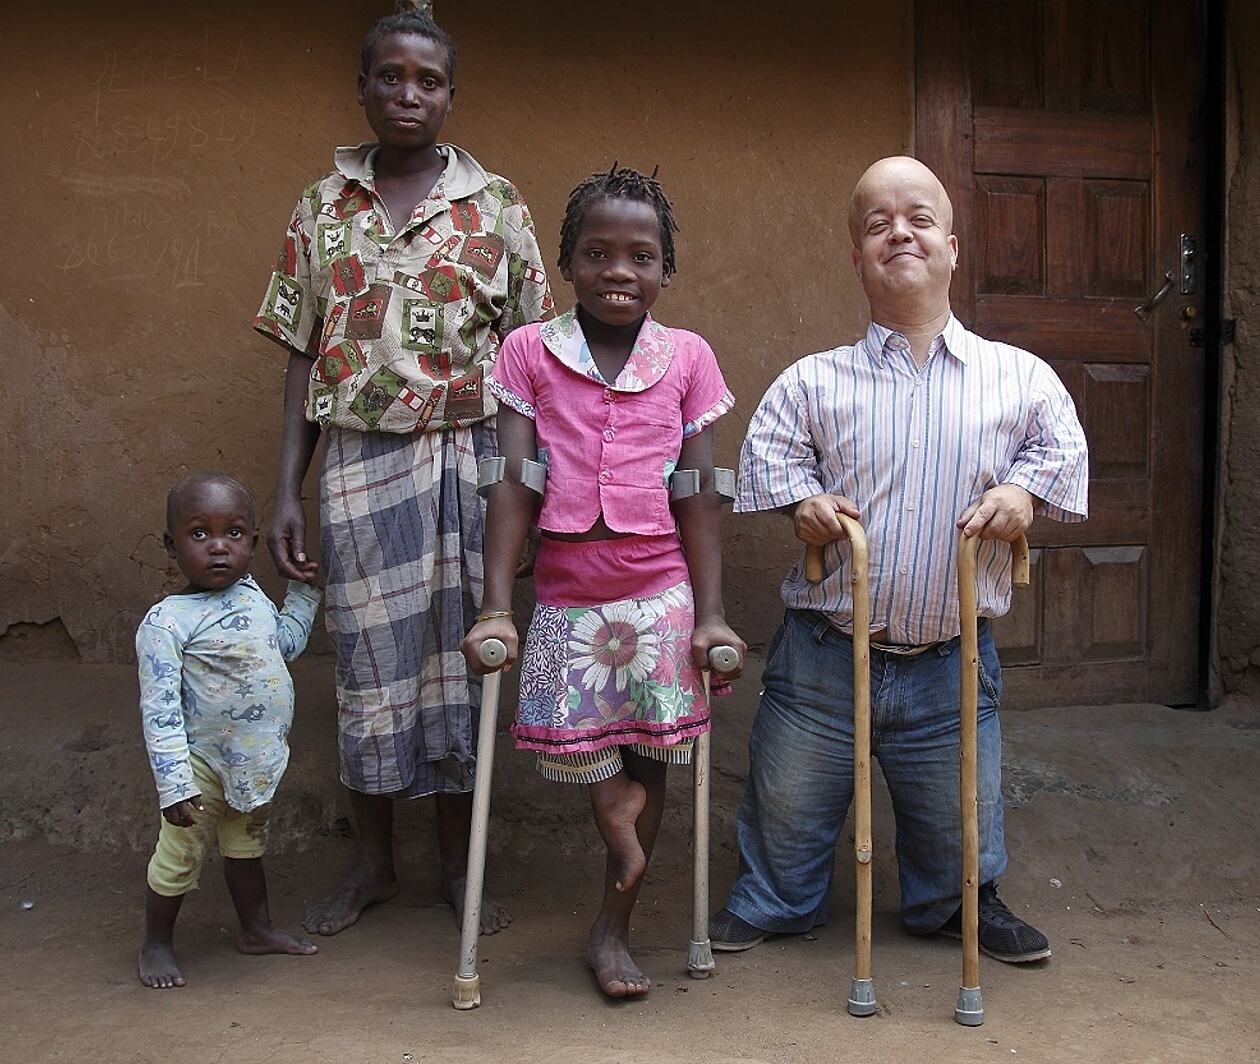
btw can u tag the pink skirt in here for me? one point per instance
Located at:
(607, 660)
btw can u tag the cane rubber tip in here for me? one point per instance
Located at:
(969, 1011)
(466, 993)
(492, 653)
(862, 998)
(723, 659)
(700, 964)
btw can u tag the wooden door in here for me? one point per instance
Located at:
(1068, 134)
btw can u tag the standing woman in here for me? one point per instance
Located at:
(401, 272)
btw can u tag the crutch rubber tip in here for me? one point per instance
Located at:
(862, 998)
(466, 993)
(700, 963)
(969, 1011)
(492, 653)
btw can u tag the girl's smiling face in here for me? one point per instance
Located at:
(617, 266)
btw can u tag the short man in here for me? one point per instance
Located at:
(920, 429)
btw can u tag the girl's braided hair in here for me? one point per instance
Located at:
(618, 183)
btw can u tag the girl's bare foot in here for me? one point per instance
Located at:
(270, 940)
(494, 917)
(618, 803)
(157, 966)
(361, 889)
(615, 971)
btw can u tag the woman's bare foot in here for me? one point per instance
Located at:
(270, 940)
(157, 966)
(615, 971)
(494, 917)
(338, 911)
(618, 802)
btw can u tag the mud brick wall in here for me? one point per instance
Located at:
(158, 151)
(1237, 605)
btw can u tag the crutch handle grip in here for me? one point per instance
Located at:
(723, 659)
(493, 653)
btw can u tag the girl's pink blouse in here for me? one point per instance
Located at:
(609, 448)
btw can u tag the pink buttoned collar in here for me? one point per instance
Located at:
(650, 357)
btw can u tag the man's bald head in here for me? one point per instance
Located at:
(891, 180)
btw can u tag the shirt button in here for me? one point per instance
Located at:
(904, 570)
(605, 475)
(914, 443)
(609, 434)
(910, 506)
(608, 395)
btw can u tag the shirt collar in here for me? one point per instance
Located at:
(462, 177)
(650, 356)
(880, 340)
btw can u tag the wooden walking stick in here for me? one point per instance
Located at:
(969, 1009)
(466, 992)
(722, 659)
(862, 991)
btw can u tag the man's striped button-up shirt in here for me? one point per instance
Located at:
(912, 447)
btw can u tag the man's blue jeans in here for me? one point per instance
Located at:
(800, 779)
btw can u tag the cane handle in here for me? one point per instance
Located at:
(814, 563)
(492, 653)
(723, 659)
(815, 568)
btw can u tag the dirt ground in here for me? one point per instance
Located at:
(1134, 845)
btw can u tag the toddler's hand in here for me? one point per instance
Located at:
(500, 628)
(181, 813)
(716, 633)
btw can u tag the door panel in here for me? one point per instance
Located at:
(1066, 132)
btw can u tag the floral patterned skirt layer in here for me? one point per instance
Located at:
(607, 660)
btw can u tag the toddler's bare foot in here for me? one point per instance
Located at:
(615, 971)
(494, 917)
(271, 940)
(361, 889)
(618, 803)
(157, 966)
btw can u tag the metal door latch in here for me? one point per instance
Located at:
(1144, 310)
(1189, 265)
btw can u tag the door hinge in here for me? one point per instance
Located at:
(1227, 333)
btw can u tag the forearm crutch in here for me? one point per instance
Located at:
(466, 992)
(969, 1009)
(862, 990)
(722, 659)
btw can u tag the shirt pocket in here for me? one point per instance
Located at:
(648, 440)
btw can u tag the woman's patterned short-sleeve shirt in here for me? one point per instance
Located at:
(404, 322)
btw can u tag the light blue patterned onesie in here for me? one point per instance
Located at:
(213, 682)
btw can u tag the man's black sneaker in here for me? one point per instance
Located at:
(730, 934)
(1003, 935)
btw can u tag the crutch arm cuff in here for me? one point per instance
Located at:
(491, 471)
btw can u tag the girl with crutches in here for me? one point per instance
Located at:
(627, 582)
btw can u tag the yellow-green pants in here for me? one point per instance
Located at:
(175, 865)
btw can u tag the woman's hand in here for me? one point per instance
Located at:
(500, 628)
(529, 553)
(286, 539)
